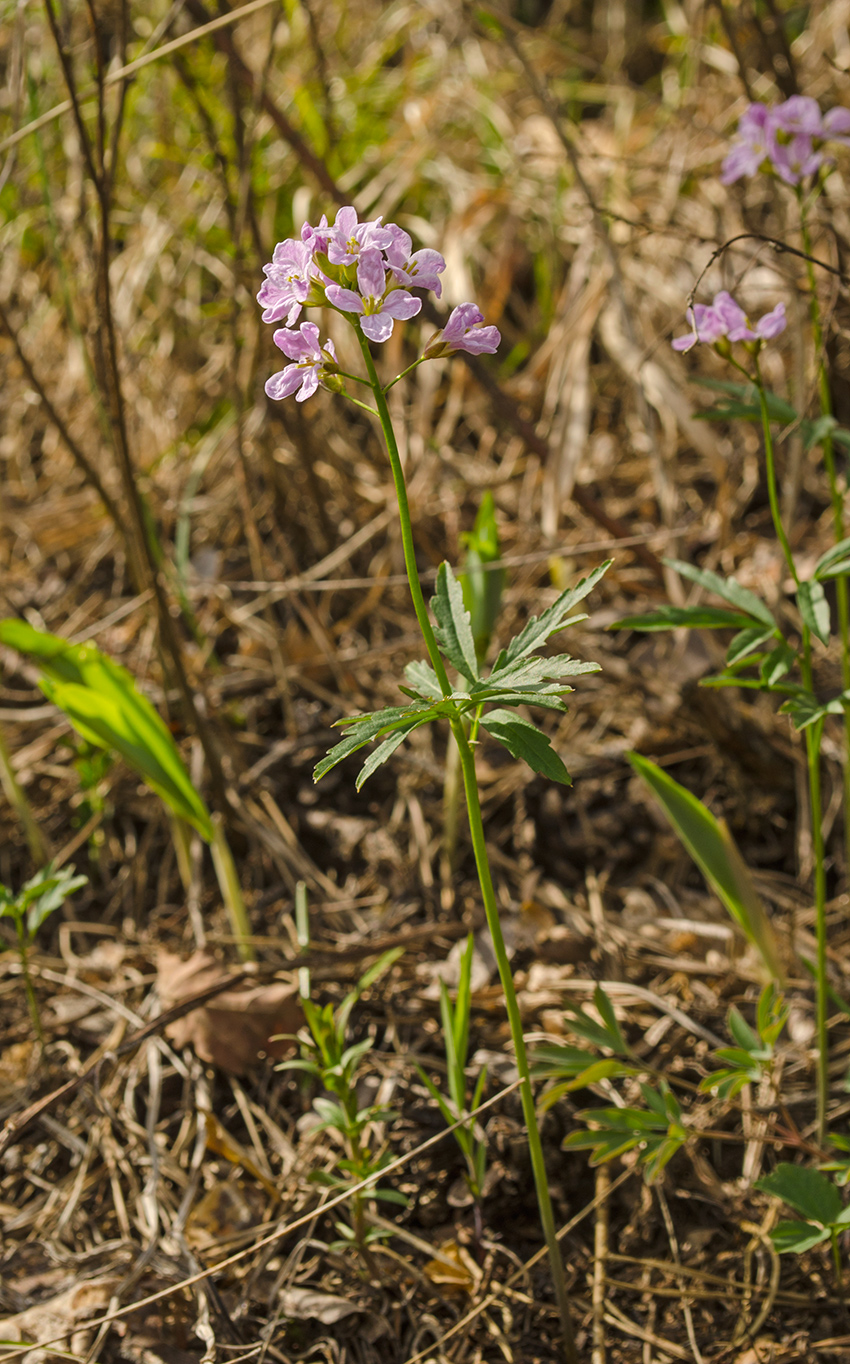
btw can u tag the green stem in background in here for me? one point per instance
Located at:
(813, 744)
(476, 826)
(32, 1001)
(231, 890)
(837, 499)
(16, 796)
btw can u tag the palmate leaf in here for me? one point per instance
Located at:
(102, 702)
(524, 740)
(805, 709)
(656, 1132)
(455, 630)
(792, 1238)
(423, 679)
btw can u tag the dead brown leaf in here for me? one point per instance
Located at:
(231, 1031)
(60, 1319)
(304, 1304)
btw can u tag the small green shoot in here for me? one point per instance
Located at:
(327, 1056)
(32, 905)
(656, 1132)
(469, 1137)
(752, 1060)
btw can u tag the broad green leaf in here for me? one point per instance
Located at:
(105, 720)
(455, 632)
(807, 1191)
(712, 847)
(814, 608)
(795, 1237)
(103, 703)
(538, 629)
(746, 641)
(524, 740)
(694, 617)
(47, 891)
(482, 587)
(727, 588)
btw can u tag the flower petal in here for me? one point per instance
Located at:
(371, 274)
(399, 303)
(377, 326)
(346, 299)
(284, 384)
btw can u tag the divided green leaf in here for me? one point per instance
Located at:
(814, 608)
(454, 634)
(524, 740)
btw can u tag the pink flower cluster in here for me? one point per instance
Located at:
(725, 319)
(365, 269)
(786, 140)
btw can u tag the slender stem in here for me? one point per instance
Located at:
(16, 796)
(837, 498)
(535, 1146)
(404, 517)
(404, 373)
(813, 742)
(479, 845)
(32, 1001)
(231, 890)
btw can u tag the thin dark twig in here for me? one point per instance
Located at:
(781, 248)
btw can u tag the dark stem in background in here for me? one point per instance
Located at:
(141, 550)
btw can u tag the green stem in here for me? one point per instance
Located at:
(231, 890)
(404, 518)
(813, 744)
(403, 374)
(479, 845)
(535, 1146)
(16, 797)
(32, 1001)
(837, 499)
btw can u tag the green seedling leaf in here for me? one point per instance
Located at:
(694, 617)
(727, 588)
(539, 628)
(46, 892)
(807, 1191)
(380, 755)
(814, 608)
(455, 631)
(524, 740)
(792, 1238)
(746, 641)
(742, 1032)
(482, 588)
(835, 562)
(525, 672)
(712, 847)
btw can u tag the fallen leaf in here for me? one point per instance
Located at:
(222, 1143)
(227, 1208)
(460, 1276)
(237, 1025)
(304, 1304)
(15, 1062)
(61, 1319)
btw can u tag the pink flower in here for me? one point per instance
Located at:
(463, 331)
(313, 363)
(377, 305)
(348, 238)
(421, 269)
(316, 238)
(785, 140)
(750, 147)
(288, 284)
(725, 318)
